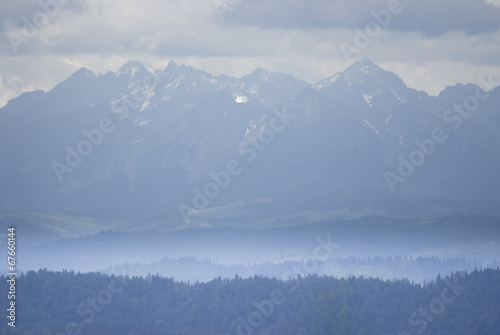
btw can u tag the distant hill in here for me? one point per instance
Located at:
(473, 239)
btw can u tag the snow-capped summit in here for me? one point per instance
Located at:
(366, 85)
(361, 74)
(365, 65)
(132, 70)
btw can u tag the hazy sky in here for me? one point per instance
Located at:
(429, 43)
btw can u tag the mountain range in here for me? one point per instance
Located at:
(179, 147)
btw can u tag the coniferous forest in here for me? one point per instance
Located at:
(74, 303)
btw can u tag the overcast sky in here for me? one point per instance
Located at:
(428, 43)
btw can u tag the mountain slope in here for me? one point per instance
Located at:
(158, 141)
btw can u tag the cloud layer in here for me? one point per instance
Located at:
(430, 17)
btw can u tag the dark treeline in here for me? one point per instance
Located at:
(417, 269)
(92, 303)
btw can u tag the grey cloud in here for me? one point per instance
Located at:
(430, 17)
(16, 12)
(31, 16)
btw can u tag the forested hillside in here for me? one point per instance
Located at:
(73, 303)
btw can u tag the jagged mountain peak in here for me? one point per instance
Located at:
(173, 129)
(260, 72)
(82, 73)
(76, 81)
(261, 76)
(365, 86)
(458, 88)
(365, 65)
(171, 66)
(363, 81)
(362, 72)
(132, 69)
(181, 70)
(365, 70)
(258, 75)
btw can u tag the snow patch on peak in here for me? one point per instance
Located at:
(388, 119)
(371, 126)
(149, 94)
(240, 99)
(363, 63)
(334, 78)
(326, 82)
(365, 67)
(368, 99)
(142, 123)
(131, 69)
